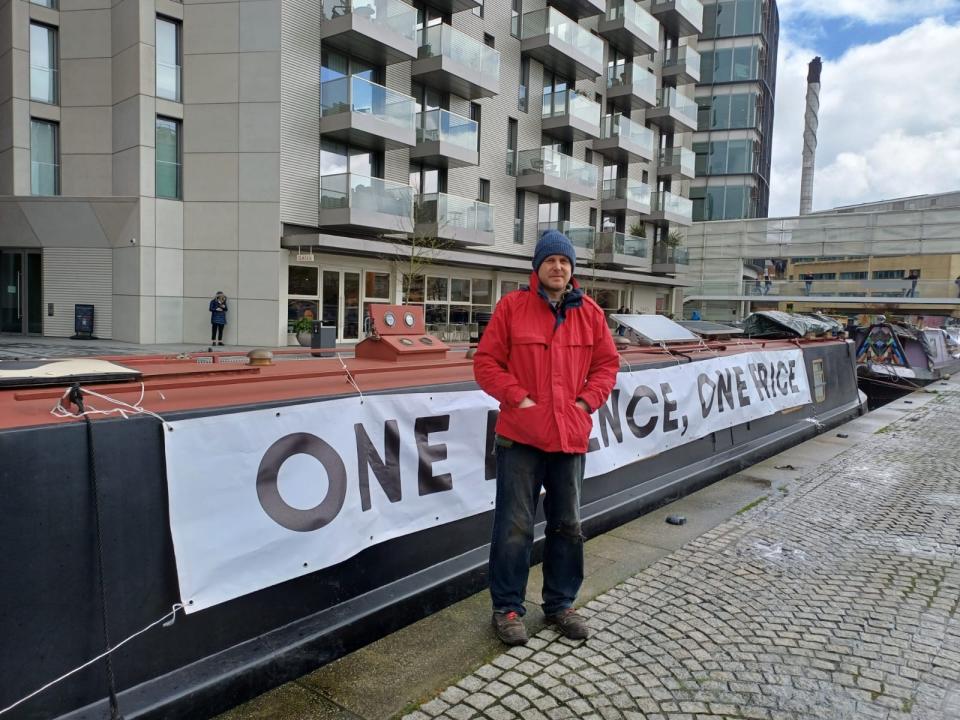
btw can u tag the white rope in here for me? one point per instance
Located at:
(123, 409)
(350, 378)
(166, 620)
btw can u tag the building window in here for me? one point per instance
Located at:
(168, 59)
(856, 275)
(819, 382)
(524, 90)
(888, 274)
(516, 10)
(168, 159)
(52, 4)
(593, 218)
(483, 193)
(43, 63)
(478, 11)
(511, 146)
(44, 158)
(518, 218)
(475, 116)
(489, 40)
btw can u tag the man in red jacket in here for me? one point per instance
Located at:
(548, 357)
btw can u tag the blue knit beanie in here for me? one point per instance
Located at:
(554, 242)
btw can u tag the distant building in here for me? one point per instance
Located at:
(735, 96)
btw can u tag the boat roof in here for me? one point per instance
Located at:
(224, 380)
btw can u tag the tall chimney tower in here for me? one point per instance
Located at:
(810, 123)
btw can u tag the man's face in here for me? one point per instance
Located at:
(555, 272)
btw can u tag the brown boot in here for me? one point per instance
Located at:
(510, 628)
(570, 623)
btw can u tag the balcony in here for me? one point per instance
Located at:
(669, 208)
(448, 7)
(582, 238)
(625, 195)
(680, 17)
(356, 203)
(677, 162)
(622, 140)
(680, 65)
(458, 219)
(631, 88)
(627, 251)
(629, 28)
(366, 115)
(381, 32)
(555, 176)
(561, 45)
(567, 115)
(669, 259)
(446, 140)
(674, 112)
(450, 61)
(579, 9)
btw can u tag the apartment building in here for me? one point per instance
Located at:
(735, 99)
(311, 158)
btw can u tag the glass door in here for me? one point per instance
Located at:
(340, 302)
(12, 282)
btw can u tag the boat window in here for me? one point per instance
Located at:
(819, 382)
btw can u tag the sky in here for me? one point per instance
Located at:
(889, 100)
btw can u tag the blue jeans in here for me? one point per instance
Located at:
(522, 471)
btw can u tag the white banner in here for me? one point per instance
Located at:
(264, 496)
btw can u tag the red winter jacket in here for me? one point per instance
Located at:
(528, 350)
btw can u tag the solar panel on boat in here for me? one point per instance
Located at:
(706, 328)
(656, 329)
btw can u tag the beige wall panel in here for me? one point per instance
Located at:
(258, 77)
(210, 176)
(6, 172)
(20, 19)
(210, 128)
(260, 25)
(148, 319)
(21, 171)
(126, 172)
(134, 72)
(18, 67)
(6, 73)
(169, 272)
(196, 319)
(259, 127)
(126, 270)
(259, 177)
(86, 175)
(133, 123)
(211, 28)
(169, 223)
(258, 323)
(169, 320)
(211, 78)
(85, 34)
(71, 5)
(147, 222)
(86, 83)
(258, 275)
(206, 271)
(126, 317)
(259, 226)
(86, 130)
(131, 23)
(210, 226)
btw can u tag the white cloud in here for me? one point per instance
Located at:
(868, 11)
(888, 119)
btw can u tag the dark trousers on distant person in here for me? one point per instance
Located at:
(522, 471)
(216, 333)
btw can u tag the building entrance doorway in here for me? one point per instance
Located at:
(21, 292)
(340, 303)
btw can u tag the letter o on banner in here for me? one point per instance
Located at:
(276, 507)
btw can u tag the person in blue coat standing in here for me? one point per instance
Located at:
(218, 317)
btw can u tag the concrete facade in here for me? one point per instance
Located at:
(249, 148)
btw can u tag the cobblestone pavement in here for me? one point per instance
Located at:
(835, 598)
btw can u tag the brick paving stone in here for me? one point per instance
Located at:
(835, 600)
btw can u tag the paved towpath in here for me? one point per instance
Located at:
(836, 597)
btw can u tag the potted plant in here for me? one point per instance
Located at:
(638, 229)
(303, 329)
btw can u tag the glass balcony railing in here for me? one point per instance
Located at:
(667, 202)
(623, 244)
(582, 237)
(617, 125)
(451, 212)
(633, 191)
(168, 81)
(691, 9)
(641, 82)
(679, 156)
(554, 164)
(549, 21)
(669, 98)
(446, 41)
(682, 55)
(43, 84)
(448, 127)
(669, 255)
(44, 178)
(393, 14)
(570, 102)
(359, 192)
(354, 94)
(631, 12)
